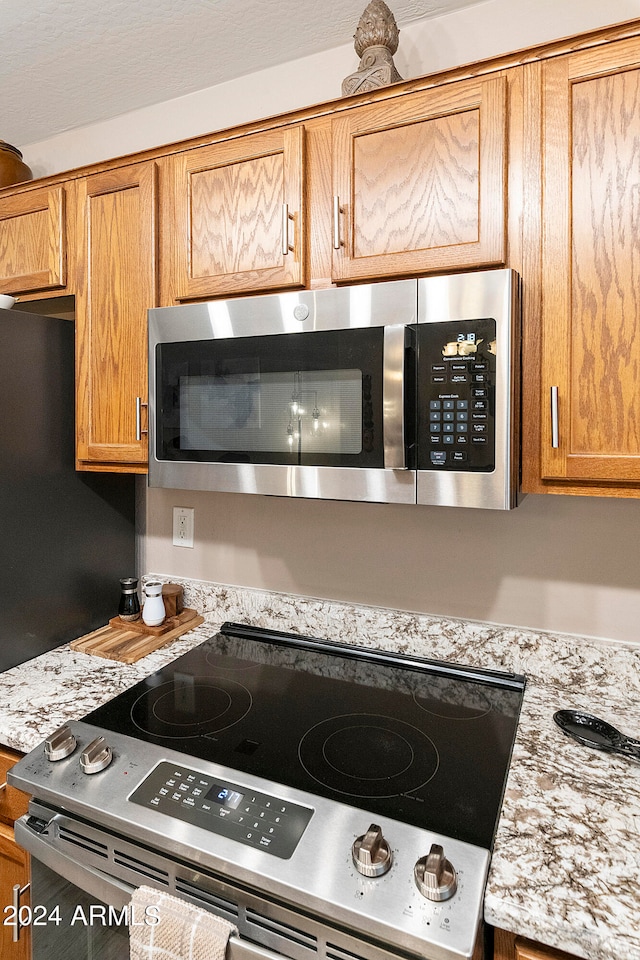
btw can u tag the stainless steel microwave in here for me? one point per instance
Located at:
(392, 392)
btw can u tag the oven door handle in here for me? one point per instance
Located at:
(109, 890)
(393, 393)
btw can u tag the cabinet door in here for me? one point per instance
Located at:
(33, 241)
(236, 216)
(591, 266)
(509, 946)
(14, 869)
(419, 182)
(528, 950)
(14, 863)
(116, 287)
(13, 803)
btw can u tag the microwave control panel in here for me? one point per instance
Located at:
(456, 395)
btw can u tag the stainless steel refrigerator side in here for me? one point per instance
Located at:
(369, 305)
(494, 293)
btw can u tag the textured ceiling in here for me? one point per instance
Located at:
(67, 63)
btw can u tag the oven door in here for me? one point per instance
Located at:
(80, 913)
(69, 918)
(83, 877)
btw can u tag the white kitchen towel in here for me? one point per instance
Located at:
(162, 927)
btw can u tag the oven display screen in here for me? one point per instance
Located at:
(225, 796)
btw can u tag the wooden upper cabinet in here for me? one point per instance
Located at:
(33, 241)
(419, 182)
(591, 265)
(234, 217)
(116, 287)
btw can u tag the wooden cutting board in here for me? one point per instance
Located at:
(128, 643)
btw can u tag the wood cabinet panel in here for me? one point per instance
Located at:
(591, 265)
(116, 287)
(33, 241)
(528, 950)
(510, 946)
(13, 803)
(235, 216)
(420, 182)
(14, 869)
(14, 862)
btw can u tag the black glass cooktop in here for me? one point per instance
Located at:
(419, 741)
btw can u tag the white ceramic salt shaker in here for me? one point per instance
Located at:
(153, 609)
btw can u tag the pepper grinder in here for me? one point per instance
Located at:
(129, 607)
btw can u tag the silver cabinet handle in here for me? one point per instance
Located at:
(393, 398)
(139, 405)
(3, 786)
(15, 900)
(555, 423)
(337, 210)
(286, 217)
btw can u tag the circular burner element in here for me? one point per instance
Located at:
(190, 707)
(208, 703)
(349, 752)
(366, 755)
(228, 661)
(451, 700)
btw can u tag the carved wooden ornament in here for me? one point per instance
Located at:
(376, 40)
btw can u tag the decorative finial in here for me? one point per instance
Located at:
(376, 40)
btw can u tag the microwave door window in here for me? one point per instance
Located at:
(293, 412)
(286, 399)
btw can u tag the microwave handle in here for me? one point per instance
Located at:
(393, 425)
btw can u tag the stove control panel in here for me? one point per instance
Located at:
(228, 809)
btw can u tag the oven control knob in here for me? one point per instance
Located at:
(96, 756)
(60, 744)
(371, 853)
(435, 876)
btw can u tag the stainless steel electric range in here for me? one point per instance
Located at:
(331, 800)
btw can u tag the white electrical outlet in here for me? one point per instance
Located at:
(183, 522)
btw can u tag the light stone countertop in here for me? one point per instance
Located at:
(566, 863)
